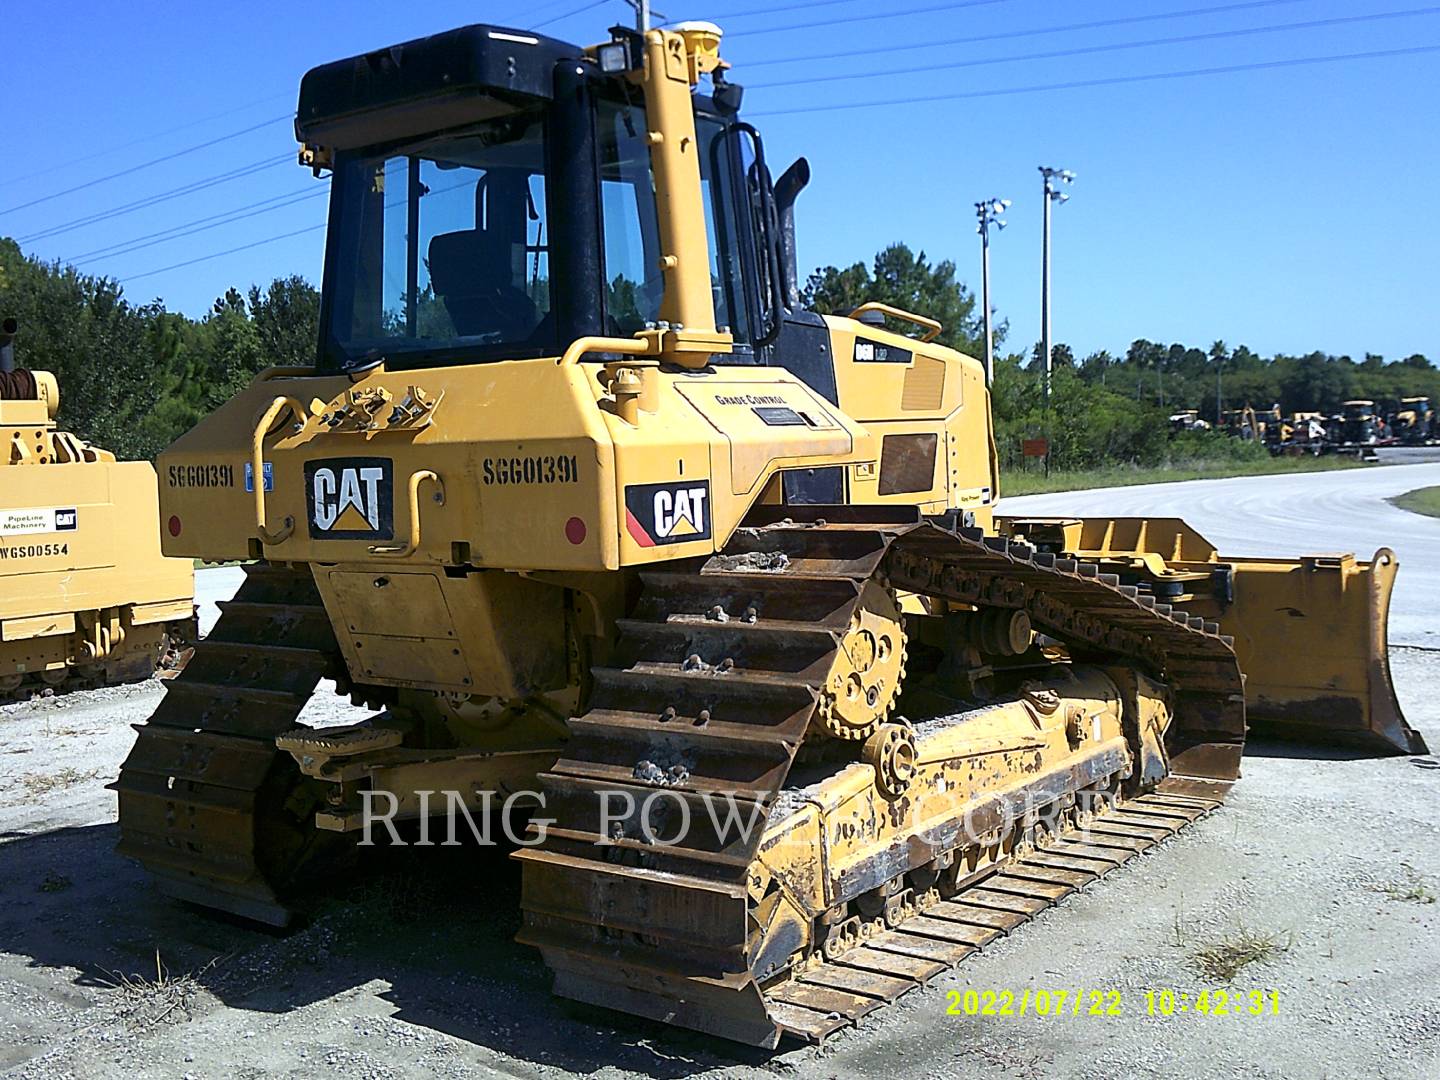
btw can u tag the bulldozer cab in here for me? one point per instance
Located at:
(512, 207)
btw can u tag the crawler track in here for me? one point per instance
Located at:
(207, 803)
(662, 930)
(889, 962)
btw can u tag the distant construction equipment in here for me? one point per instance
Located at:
(86, 598)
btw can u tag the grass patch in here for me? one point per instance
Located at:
(146, 1001)
(1413, 889)
(39, 784)
(1032, 481)
(1420, 501)
(1416, 893)
(1223, 960)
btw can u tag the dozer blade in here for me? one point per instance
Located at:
(1311, 635)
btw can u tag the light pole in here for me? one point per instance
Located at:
(988, 213)
(1055, 195)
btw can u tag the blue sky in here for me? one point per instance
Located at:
(1289, 207)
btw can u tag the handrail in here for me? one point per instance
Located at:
(257, 468)
(401, 551)
(633, 346)
(905, 316)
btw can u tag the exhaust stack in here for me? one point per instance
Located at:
(787, 189)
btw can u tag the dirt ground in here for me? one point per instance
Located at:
(1326, 868)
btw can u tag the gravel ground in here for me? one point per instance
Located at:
(1330, 862)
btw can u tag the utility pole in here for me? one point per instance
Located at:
(988, 213)
(1052, 194)
(643, 14)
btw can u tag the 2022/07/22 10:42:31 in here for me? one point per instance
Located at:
(1165, 1002)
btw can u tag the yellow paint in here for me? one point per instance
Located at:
(98, 592)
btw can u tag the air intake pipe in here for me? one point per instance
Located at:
(17, 384)
(787, 189)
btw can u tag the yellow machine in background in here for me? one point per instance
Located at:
(86, 598)
(611, 525)
(1414, 423)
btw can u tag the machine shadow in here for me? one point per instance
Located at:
(436, 925)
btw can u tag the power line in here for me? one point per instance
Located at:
(955, 5)
(199, 225)
(159, 237)
(166, 196)
(1033, 32)
(1112, 81)
(141, 139)
(146, 164)
(186, 189)
(543, 8)
(466, 182)
(576, 11)
(751, 12)
(222, 254)
(1212, 35)
(209, 118)
(1007, 91)
(176, 228)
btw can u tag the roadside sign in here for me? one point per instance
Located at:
(1035, 447)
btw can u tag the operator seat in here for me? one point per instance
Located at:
(473, 271)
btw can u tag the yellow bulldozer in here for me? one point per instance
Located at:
(607, 527)
(86, 597)
(1414, 424)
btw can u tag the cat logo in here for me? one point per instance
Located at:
(667, 513)
(350, 498)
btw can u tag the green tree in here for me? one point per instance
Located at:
(1096, 366)
(1061, 355)
(287, 321)
(93, 339)
(907, 281)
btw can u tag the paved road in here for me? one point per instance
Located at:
(1300, 513)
